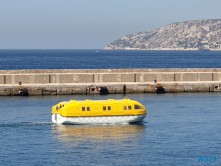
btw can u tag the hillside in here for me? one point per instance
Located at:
(188, 35)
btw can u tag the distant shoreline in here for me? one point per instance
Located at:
(159, 49)
(101, 49)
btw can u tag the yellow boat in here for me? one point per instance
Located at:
(98, 112)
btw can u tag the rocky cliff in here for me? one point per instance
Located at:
(188, 35)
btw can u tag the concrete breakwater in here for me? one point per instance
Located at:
(60, 82)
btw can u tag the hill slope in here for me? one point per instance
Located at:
(188, 35)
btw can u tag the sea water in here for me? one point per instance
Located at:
(107, 59)
(180, 129)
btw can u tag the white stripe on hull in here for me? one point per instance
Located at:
(57, 118)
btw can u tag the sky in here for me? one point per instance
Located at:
(91, 24)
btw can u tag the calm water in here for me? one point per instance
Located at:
(104, 59)
(180, 129)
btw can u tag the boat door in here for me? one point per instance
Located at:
(54, 118)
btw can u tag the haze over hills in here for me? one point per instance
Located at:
(188, 35)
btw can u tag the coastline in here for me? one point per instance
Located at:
(160, 49)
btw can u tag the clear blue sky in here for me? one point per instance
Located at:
(91, 24)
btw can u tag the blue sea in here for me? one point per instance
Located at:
(107, 59)
(181, 129)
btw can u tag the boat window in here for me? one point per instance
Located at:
(57, 108)
(104, 108)
(109, 107)
(61, 106)
(125, 107)
(129, 107)
(83, 108)
(88, 108)
(137, 107)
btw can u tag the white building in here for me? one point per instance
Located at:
(218, 46)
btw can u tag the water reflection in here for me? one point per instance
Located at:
(68, 133)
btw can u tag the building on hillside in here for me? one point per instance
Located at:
(204, 47)
(218, 46)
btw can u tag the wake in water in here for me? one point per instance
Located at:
(17, 124)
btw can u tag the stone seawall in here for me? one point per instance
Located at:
(57, 82)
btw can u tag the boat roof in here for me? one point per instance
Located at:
(99, 101)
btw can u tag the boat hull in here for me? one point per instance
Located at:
(57, 118)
